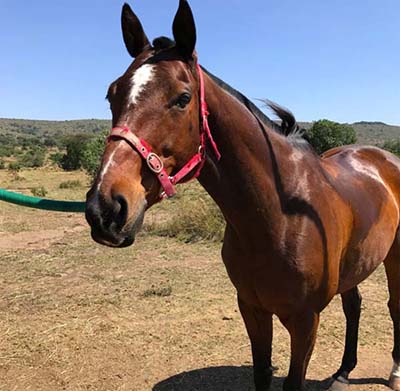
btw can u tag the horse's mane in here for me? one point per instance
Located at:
(288, 125)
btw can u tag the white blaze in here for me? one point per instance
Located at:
(109, 163)
(140, 78)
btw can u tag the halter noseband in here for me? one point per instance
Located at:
(155, 163)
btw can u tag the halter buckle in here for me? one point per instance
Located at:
(156, 166)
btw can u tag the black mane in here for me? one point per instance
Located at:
(288, 126)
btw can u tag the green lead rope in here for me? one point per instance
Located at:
(41, 203)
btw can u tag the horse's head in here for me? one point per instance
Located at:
(155, 108)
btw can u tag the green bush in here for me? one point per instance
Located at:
(160, 291)
(73, 184)
(2, 164)
(14, 166)
(49, 142)
(392, 146)
(33, 158)
(56, 158)
(39, 191)
(6, 150)
(325, 134)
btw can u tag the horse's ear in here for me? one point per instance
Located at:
(184, 29)
(134, 36)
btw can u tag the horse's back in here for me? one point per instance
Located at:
(368, 180)
(363, 165)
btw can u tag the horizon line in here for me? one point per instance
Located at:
(109, 119)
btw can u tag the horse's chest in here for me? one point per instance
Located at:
(277, 275)
(273, 285)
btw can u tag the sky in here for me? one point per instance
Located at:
(334, 59)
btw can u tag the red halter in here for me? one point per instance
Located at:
(155, 162)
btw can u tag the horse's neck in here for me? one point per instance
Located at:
(247, 182)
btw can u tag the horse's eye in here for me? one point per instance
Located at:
(183, 100)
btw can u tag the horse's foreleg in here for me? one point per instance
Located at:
(302, 328)
(259, 328)
(351, 301)
(392, 267)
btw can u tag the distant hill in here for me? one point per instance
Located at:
(48, 129)
(375, 132)
(367, 132)
(370, 132)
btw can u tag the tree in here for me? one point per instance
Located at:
(72, 159)
(325, 134)
(82, 151)
(92, 152)
(392, 146)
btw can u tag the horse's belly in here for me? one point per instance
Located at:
(362, 261)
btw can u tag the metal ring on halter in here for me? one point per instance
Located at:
(156, 169)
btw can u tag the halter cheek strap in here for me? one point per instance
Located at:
(155, 163)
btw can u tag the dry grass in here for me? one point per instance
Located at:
(159, 316)
(192, 216)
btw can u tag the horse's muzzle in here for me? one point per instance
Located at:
(109, 220)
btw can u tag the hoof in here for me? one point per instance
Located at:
(262, 379)
(274, 368)
(339, 384)
(394, 383)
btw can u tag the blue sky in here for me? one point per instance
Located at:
(336, 59)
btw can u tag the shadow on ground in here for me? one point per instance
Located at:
(236, 379)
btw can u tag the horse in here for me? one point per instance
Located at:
(300, 228)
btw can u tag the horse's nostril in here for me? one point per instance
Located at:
(92, 214)
(121, 206)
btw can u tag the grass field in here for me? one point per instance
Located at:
(159, 316)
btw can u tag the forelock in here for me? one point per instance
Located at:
(163, 43)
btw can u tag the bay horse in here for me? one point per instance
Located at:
(300, 229)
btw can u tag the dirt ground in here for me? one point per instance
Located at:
(159, 316)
